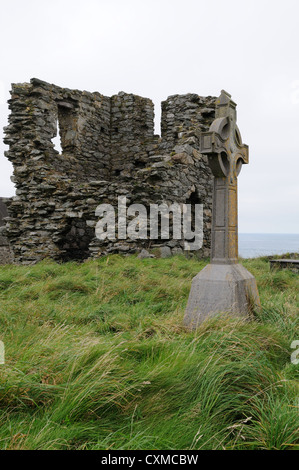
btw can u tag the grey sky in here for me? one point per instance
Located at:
(156, 48)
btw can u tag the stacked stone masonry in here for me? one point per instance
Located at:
(108, 150)
(5, 252)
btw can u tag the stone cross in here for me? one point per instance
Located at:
(223, 286)
(226, 154)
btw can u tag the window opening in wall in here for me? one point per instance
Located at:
(193, 199)
(57, 140)
(74, 241)
(157, 119)
(67, 123)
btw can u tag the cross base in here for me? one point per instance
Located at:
(221, 288)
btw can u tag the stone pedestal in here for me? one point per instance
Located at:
(221, 288)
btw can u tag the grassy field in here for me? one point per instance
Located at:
(97, 358)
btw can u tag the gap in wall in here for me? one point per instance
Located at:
(157, 118)
(57, 140)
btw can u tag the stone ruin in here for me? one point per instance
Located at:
(5, 253)
(109, 149)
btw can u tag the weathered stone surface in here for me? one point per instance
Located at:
(177, 251)
(3, 211)
(165, 252)
(145, 254)
(183, 158)
(5, 252)
(108, 149)
(221, 288)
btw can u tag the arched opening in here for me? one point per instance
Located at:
(75, 240)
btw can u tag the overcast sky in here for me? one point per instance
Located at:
(156, 48)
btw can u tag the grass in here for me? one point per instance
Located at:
(97, 358)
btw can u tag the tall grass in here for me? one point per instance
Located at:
(97, 358)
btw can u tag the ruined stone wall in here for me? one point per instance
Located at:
(108, 149)
(5, 252)
(132, 132)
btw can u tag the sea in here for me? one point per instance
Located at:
(252, 245)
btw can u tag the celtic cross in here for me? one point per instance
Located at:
(226, 153)
(224, 285)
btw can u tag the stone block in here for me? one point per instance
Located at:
(221, 288)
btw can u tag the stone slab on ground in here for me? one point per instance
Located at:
(292, 264)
